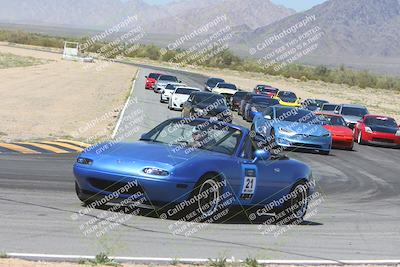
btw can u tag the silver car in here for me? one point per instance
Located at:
(351, 113)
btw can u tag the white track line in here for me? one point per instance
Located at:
(194, 260)
(121, 116)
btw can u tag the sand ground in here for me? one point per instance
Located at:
(61, 98)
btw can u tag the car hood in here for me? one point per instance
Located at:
(303, 128)
(351, 119)
(383, 129)
(339, 130)
(205, 105)
(131, 157)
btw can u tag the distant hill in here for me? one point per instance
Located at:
(173, 18)
(356, 32)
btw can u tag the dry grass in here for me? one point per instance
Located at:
(8, 60)
(23, 263)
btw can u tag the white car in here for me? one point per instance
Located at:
(180, 96)
(168, 90)
(225, 89)
(162, 81)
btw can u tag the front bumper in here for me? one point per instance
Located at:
(379, 138)
(339, 141)
(100, 184)
(305, 142)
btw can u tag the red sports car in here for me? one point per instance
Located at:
(151, 80)
(342, 136)
(380, 130)
(267, 90)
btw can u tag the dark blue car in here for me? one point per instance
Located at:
(257, 105)
(192, 164)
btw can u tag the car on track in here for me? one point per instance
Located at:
(342, 136)
(351, 113)
(236, 99)
(328, 108)
(379, 130)
(288, 98)
(211, 83)
(151, 79)
(168, 91)
(207, 105)
(314, 104)
(265, 90)
(225, 89)
(288, 127)
(162, 82)
(180, 96)
(244, 102)
(174, 165)
(257, 105)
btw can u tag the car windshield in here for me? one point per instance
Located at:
(185, 91)
(329, 107)
(297, 115)
(353, 111)
(239, 95)
(213, 82)
(210, 99)
(185, 136)
(170, 87)
(332, 120)
(168, 78)
(267, 89)
(154, 76)
(288, 96)
(227, 86)
(381, 121)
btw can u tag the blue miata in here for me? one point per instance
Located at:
(183, 158)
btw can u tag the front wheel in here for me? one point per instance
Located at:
(360, 139)
(295, 208)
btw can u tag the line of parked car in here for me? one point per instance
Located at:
(279, 119)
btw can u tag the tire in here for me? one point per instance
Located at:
(323, 152)
(84, 200)
(359, 138)
(295, 208)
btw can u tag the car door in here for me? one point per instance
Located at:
(260, 180)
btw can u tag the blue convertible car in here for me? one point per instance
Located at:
(290, 127)
(184, 162)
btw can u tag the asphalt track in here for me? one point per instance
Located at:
(357, 219)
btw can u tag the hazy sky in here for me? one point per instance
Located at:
(299, 5)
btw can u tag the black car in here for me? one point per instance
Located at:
(258, 105)
(236, 98)
(207, 105)
(314, 104)
(245, 100)
(212, 82)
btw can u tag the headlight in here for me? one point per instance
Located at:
(286, 131)
(198, 110)
(368, 129)
(155, 171)
(84, 161)
(253, 109)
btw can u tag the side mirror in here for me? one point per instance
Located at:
(146, 77)
(267, 117)
(336, 111)
(180, 81)
(261, 154)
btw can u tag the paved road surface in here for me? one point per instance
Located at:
(357, 219)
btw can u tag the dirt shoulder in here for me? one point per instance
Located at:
(378, 101)
(24, 263)
(61, 98)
